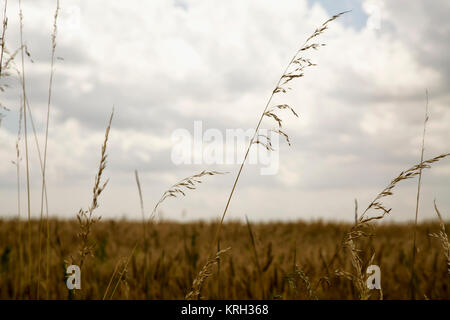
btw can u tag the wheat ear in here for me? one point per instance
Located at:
(442, 236)
(204, 273)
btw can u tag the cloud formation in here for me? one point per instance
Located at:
(165, 64)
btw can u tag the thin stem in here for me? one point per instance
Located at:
(316, 33)
(123, 271)
(255, 253)
(144, 224)
(5, 23)
(30, 262)
(40, 163)
(412, 284)
(17, 163)
(141, 202)
(110, 280)
(213, 244)
(45, 157)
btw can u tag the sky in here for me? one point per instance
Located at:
(165, 65)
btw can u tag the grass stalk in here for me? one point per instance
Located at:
(4, 26)
(255, 254)
(24, 97)
(287, 77)
(442, 236)
(419, 183)
(53, 37)
(19, 221)
(144, 224)
(141, 203)
(86, 218)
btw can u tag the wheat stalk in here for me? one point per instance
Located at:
(442, 236)
(116, 268)
(121, 274)
(358, 276)
(204, 273)
(298, 273)
(255, 254)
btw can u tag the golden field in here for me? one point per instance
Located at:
(287, 261)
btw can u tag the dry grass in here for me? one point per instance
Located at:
(419, 184)
(24, 99)
(442, 236)
(2, 39)
(364, 224)
(294, 70)
(198, 282)
(86, 218)
(44, 166)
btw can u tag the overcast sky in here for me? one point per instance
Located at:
(165, 64)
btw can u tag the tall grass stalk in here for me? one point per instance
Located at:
(19, 221)
(39, 154)
(205, 272)
(144, 224)
(55, 29)
(255, 254)
(300, 63)
(442, 236)
(141, 203)
(111, 280)
(378, 207)
(123, 272)
(86, 218)
(419, 183)
(24, 97)
(4, 26)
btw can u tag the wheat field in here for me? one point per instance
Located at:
(287, 261)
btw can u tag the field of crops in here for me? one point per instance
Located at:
(270, 261)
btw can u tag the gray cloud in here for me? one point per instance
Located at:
(167, 64)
